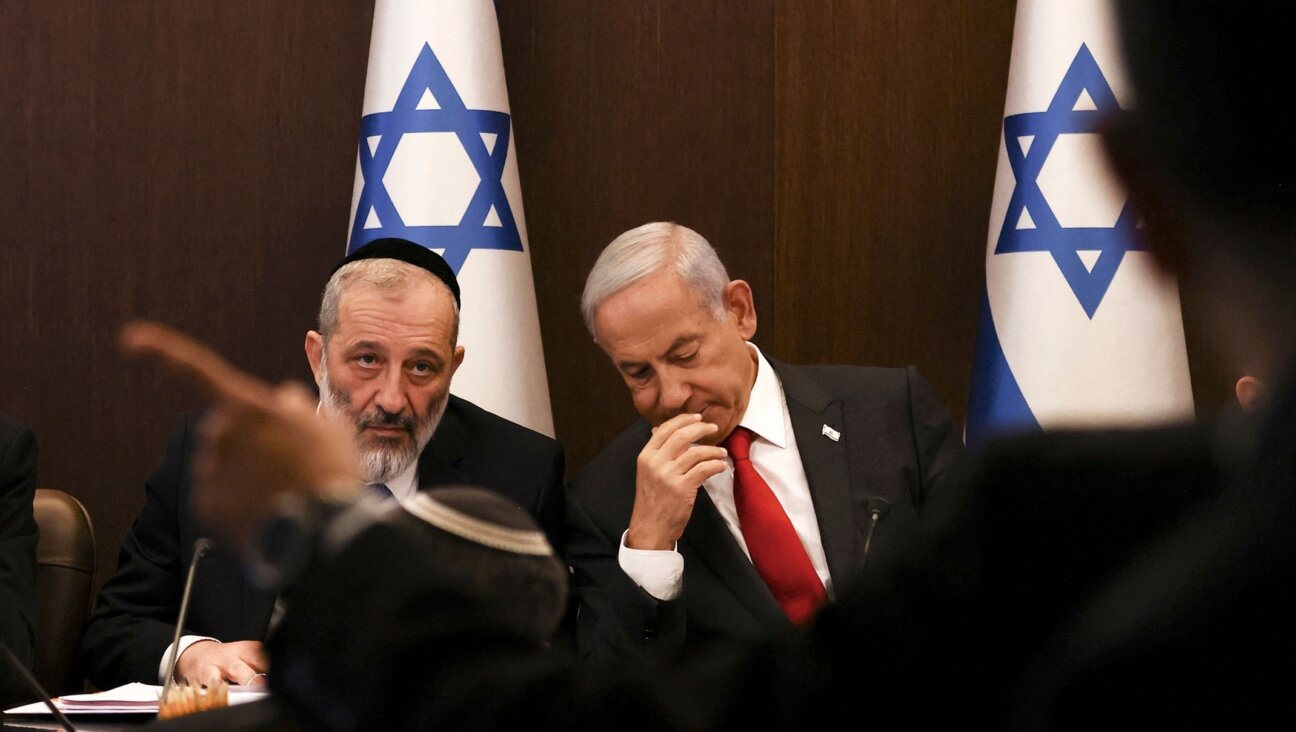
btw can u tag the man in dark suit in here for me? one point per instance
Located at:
(17, 552)
(383, 359)
(752, 488)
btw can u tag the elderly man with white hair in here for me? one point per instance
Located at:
(751, 489)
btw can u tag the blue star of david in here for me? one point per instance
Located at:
(1064, 243)
(471, 233)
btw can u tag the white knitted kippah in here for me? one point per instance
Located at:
(476, 530)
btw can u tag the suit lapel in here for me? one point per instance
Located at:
(439, 463)
(826, 466)
(709, 540)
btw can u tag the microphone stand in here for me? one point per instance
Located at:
(201, 547)
(877, 509)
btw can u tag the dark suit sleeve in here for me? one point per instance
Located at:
(134, 621)
(550, 503)
(617, 621)
(18, 536)
(937, 443)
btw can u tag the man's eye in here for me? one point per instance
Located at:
(423, 368)
(367, 359)
(686, 358)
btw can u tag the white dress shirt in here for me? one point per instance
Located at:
(774, 454)
(405, 486)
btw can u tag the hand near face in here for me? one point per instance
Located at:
(669, 472)
(258, 442)
(205, 663)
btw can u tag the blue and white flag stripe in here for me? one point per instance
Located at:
(437, 164)
(1078, 328)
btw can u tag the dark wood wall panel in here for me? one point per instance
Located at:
(886, 139)
(188, 162)
(630, 111)
(193, 162)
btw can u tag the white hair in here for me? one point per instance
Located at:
(642, 251)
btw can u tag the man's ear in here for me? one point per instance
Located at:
(456, 360)
(740, 305)
(315, 353)
(1249, 390)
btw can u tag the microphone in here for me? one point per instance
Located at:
(36, 687)
(877, 508)
(201, 547)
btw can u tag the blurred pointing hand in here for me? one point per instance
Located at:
(258, 442)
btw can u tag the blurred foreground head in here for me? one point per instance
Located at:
(493, 552)
(1209, 158)
(445, 594)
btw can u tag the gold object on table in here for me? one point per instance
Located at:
(178, 700)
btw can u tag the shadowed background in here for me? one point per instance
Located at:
(193, 163)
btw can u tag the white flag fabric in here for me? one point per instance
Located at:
(437, 165)
(1078, 327)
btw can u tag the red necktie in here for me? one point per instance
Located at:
(774, 546)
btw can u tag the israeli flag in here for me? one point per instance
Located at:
(437, 165)
(1078, 328)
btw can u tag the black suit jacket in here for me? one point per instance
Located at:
(896, 444)
(134, 621)
(17, 551)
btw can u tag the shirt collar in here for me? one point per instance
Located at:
(765, 406)
(404, 485)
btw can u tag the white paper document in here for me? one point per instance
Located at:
(133, 698)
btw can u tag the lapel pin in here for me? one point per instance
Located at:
(831, 433)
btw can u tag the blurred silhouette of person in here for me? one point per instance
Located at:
(18, 536)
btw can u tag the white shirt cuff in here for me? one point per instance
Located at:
(659, 572)
(185, 642)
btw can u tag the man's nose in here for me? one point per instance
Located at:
(391, 395)
(675, 391)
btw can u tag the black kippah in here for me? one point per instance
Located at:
(406, 251)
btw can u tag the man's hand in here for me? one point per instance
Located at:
(258, 442)
(669, 472)
(207, 662)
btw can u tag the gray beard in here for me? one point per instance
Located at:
(381, 463)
